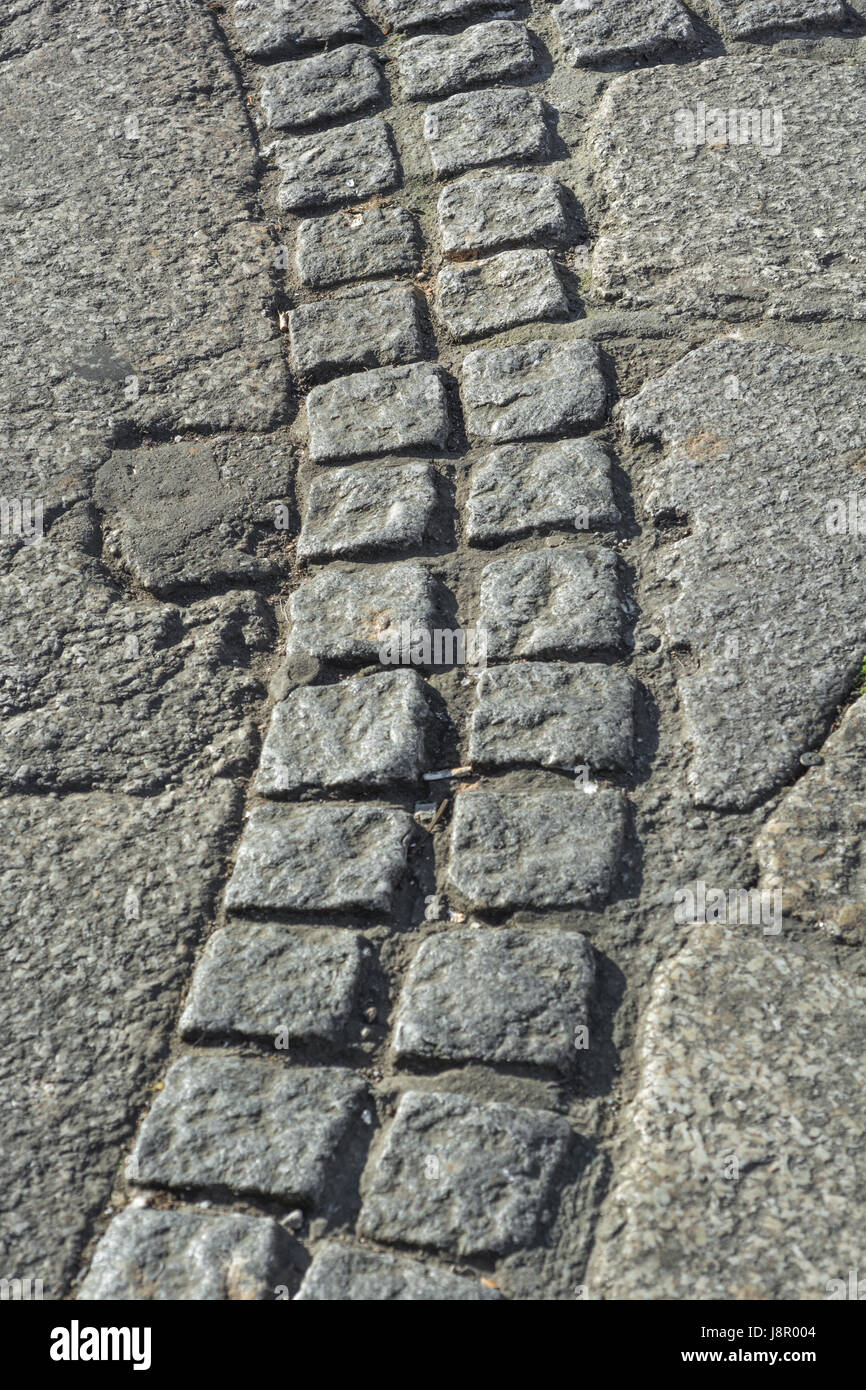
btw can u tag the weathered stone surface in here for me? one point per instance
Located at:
(272, 28)
(490, 295)
(773, 602)
(477, 128)
(378, 412)
(496, 996)
(366, 731)
(745, 19)
(339, 1274)
(697, 221)
(553, 714)
(258, 979)
(519, 488)
(378, 508)
(414, 14)
(556, 849)
(486, 211)
(348, 615)
(354, 245)
(344, 165)
(551, 601)
(374, 325)
(153, 1256)
(334, 84)
(596, 30)
(536, 389)
(746, 1160)
(459, 1176)
(438, 66)
(249, 1125)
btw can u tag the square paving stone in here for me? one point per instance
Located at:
(337, 166)
(596, 30)
(248, 1125)
(320, 858)
(438, 66)
(413, 14)
(271, 28)
(556, 849)
(553, 714)
(520, 487)
(366, 731)
(378, 412)
(491, 295)
(496, 996)
(377, 508)
(468, 1178)
(148, 1255)
(551, 601)
(744, 19)
(350, 615)
(355, 244)
(373, 325)
(486, 211)
(476, 128)
(299, 94)
(257, 978)
(536, 389)
(339, 1274)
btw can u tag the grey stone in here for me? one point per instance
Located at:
(350, 615)
(496, 996)
(328, 85)
(345, 165)
(375, 325)
(551, 849)
(519, 488)
(272, 28)
(743, 1157)
(476, 128)
(378, 412)
(746, 19)
(490, 295)
(153, 1256)
(551, 601)
(377, 508)
(458, 1176)
(596, 30)
(553, 714)
(248, 1125)
(413, 14)
(366, 731)
(486, 211)
(353, 245)
(339, 1274)
(536, 389)
(260, 978)
(439, 66)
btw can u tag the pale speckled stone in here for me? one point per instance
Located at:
(548, 602)
(598, 30)
(521, 487)
(339, 1274)
(533, 390)
(485, 211)
(330, 167)
(439, 66)
(746, 19)
(378, 412)
(273, 28)
(500, 292)
(341, 83)
(355, 244)
(376, 508)
(477, 128)
(347, 615)
(372, 325)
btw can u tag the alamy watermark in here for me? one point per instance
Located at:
(697, 905)
(407, 645)
(22, 517)
(760, 126)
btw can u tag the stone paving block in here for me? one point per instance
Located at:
(320, 858)
(339, 1274)
(458, 1176)
(148, 1255)
(366, 731)
(496, 996)
(552, 849)
(348, 615)
(414, 14)
(551, 601)
(377, 508)
(746, 19)
(374, 325)
(597, 30)
(477, 128)
(486, 211)
(439, 66)
(520, 487)
(490, 295)
(345, 165)
(743, 1163)
(378, 412)
(553, 714)
(324, 87)
(354, 245)
(248, 1125)
(535, 389)
(272, 28)
(257, 978)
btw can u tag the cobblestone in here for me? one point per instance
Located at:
(537, 389)
(597, 30)
(477, 128)
(378, 412)
(486, 211)
(271, 28)
(378, 508)
(339, 1274)
(376, 325)
(414, 14)
(550, 602)
(440, 66)
(354, 245)
(488, 296)
(324, 87)
(344, 165)
(347, 615)
(519, 488)
(747, 19)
